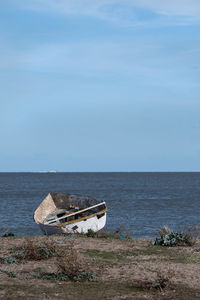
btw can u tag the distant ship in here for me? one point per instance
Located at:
(68, 213)
(52, 171)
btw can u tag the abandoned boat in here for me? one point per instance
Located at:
(68, 213)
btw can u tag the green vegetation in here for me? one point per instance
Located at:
(161, 282)
(103, 254)
(174, 239)
(170, 238)
(31, 250)
(95, 268)
(105, 234)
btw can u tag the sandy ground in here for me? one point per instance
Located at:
(124, 269)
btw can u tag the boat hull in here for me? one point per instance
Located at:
(94, 223)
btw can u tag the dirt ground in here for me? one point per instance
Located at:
(121, 268)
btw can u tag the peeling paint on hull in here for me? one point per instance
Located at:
(69, 213)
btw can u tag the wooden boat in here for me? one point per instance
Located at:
(68, 213)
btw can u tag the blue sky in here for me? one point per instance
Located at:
(90, 85)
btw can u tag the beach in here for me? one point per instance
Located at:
(112, 268)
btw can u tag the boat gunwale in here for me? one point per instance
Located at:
(75, 213)
(81, 219)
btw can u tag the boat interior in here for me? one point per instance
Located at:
(73, 214)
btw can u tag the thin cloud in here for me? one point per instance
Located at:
(125, 11)
(144, 61)
(187, 8)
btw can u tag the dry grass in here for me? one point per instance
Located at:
(193, 233)
(119, 233)
(32, 250)
(127, 269)
(74, 266)
(71, 264)
(164, 230)
(162, 281)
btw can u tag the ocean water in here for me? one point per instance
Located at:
(139, 203)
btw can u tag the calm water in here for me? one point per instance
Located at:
(139, 202)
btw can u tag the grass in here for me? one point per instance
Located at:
(151, 253)
(95, 269)
(163, 254)
(103, 254)
(67, 290)
(31, 250)
(92, 290)
(74, 267)
(69, 264)
(105, 234)
(82, 276)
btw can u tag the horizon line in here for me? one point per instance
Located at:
(49, 172)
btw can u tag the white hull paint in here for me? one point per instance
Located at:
(92, 223)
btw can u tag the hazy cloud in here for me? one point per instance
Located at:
(142, 61)
(115, 10)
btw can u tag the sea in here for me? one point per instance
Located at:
(138, 203)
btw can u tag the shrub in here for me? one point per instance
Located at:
(162, 281)
(31, 250)
(119, 233)
(9, 234)
(73, 267)
(108, 235)
(172, 238)
(192, 232)
(70, 264)
(12, 274)
(91, 233)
